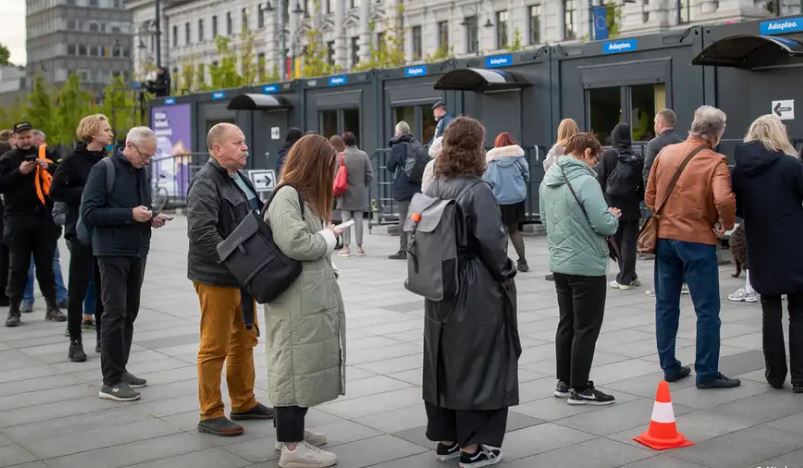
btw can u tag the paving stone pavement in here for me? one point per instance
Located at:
(50, 415)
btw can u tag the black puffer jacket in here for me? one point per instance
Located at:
(471, 343)
(111, 215)
(622, 151)
(215, 206)
(69, 180)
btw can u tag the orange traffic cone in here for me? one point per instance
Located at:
(663, 432)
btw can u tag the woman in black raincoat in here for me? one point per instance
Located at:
(471, 343)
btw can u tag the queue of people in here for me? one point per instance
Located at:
(590, 205)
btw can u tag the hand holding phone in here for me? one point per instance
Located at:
(343, 226)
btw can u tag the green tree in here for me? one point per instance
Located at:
(441, 54)
(200, 78)
(5, 55)
(185, 79)
(388, 51)
(224, 73)
(314, 62)
(516, 45)
(120, 106)
(9, 115)
(249, 70)
(73, 103)
(40, 108)
(614, 19)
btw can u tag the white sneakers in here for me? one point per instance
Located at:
(306, 455)
(624, 287)
(742, 295)
(314, 438)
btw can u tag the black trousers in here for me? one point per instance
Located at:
(4, 266)
(289, 423)
(26, 236)
(83, 268)
(466, 427)
(581, 300)
(625, 238)
(772, 336)
(121, 284)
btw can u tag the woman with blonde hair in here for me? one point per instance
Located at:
(566, 129)
(306, 325)
(768, 182)
(94, 133)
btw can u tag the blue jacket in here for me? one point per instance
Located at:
(111, 215)
(507, 174)
(444, 122)
(576, 241)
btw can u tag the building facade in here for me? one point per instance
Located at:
(89, 37)
(431, 30)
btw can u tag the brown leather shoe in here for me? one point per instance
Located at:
(259, 411)
(220, 427)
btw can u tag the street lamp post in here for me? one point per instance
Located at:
(158, 25)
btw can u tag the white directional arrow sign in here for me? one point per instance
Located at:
(784, 109)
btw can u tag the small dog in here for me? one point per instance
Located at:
(738, 247)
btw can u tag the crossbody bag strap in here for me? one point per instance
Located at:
(574, 194)
(275, 191)
(676, 177)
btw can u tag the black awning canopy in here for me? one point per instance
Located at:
(253, 101)
(480, 80)
(751, 51)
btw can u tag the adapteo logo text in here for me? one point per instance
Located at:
(498, 61)
(780, 27)
(619, 46)
(415, 71)
(337, 80)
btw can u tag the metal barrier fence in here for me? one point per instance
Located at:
(384, 209)
(172, 175)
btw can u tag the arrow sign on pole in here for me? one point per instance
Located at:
(784, 109)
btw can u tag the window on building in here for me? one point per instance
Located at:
(352, 4)
(82, 50)
(569, 19)
(684, 11)
(93, 27)
(244, 24)
(228, 24)
(186, 33)
(93, 3)
(417, 46)
(328, 6)
(355, 50)
(115, 29)
(535, 23)
(214, 26)
(380, 40)
(472, 35)
(501, 29)
(200, 30)
(175, 36)
(330, 53)
(306, 8)
(71, 50)
(71, 25)
(93, 51)
(103, 27)
(260, 16)
(443, 35)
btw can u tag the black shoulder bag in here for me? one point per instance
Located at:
(251, 255)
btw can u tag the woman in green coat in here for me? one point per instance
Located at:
(577, 219)
(305, 326)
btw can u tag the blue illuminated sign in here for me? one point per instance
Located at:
(270, 89)
(169, 101)
(498, 61)
(338, 80)
(782, 26)
(620, 46)
(420, 70)
(218, 95)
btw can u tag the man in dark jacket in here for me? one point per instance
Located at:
(121, 220)
(403, 187)
(665, 121)
(220, 197)
(29, 227)
(443, 117)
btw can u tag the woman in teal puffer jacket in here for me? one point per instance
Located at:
(577, 219)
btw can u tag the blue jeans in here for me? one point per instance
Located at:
(61, 291)
(697, 263)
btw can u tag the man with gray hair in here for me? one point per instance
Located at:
(665, 135)
(116, 208)
(689, 190)
(406, 181)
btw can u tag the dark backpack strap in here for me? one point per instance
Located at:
(675, 178)
(110, 173)
(275, 191)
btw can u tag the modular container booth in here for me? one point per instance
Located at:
(752, 69)
(600, 84)
(508, 93)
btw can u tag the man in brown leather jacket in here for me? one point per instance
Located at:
(697, 212)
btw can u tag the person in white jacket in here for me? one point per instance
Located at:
(434, 150)
(566, 129)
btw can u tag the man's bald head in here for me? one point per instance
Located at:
(226, 144)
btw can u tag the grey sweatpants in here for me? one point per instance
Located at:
(358, 227)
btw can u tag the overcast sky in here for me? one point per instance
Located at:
(12, 32)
